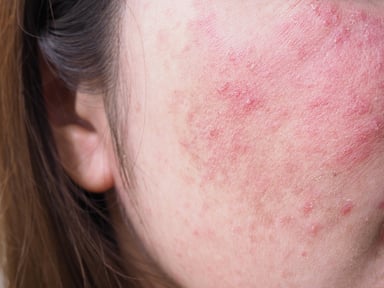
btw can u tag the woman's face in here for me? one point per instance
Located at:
(256, 130)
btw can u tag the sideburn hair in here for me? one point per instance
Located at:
(73, 38)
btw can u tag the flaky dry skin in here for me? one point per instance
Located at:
(259, 141)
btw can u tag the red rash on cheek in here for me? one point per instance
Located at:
(347, 208)
(305, 95)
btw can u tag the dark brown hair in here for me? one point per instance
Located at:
(54, 234)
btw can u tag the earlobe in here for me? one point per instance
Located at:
(81, 134)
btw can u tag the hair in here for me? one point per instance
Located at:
(53, 233)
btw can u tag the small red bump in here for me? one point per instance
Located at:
(223, 88)
(315, 229)
(347, 208)
(214, 133)
(308, 208)
(381, 205)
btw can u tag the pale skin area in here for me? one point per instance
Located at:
(257, 133)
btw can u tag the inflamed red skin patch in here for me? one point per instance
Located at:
(285, 107)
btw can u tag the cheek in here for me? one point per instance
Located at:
(307, 95)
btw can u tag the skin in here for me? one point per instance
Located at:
(256, 129)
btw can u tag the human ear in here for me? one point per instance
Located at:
(80, 130)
